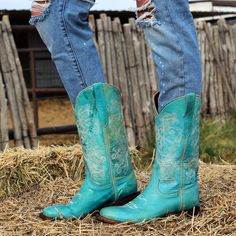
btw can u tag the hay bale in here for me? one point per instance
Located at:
(57, 172)
(21, 169)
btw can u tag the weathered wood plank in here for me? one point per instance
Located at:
(4, 139)
(7, 76)
(25, 97)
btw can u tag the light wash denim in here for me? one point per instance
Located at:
(169, 30)
(63, 26)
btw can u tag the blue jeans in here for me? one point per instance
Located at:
(169, 30)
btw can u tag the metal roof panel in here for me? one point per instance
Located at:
(130, 5)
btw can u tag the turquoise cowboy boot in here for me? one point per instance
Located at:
(110, 178)
(173, 186)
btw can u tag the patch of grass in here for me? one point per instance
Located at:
(218, 140)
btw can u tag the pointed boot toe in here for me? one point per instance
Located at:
(114, 215)
(111, 215)
(55, 212)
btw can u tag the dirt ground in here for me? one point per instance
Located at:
(56, 112)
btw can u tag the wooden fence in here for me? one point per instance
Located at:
(218, 54)
(13, 94)
(128, 64)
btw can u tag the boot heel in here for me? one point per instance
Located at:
(125, 200)
(120, 202)
(194, 211)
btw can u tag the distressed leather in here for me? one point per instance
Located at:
(109, 172)
(173, 186)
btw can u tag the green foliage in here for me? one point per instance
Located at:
(218, 140)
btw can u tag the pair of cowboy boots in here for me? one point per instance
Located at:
(110, 184)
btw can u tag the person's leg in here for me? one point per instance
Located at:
(169, 29)
(63, 26)
(170, 33)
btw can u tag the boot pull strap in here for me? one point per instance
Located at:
(155, 97)
(190, 104)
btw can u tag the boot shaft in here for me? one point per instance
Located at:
(168, 190)
(177, 135)
(101, 127)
